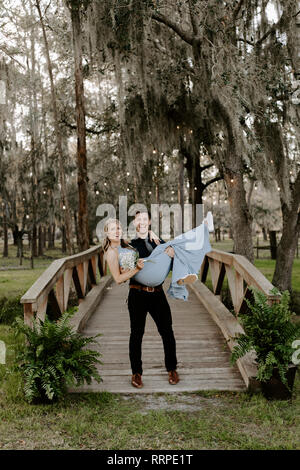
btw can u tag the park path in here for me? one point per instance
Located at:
(202, 353)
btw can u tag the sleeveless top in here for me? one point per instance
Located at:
(127, 257)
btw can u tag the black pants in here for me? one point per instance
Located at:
(139, 304)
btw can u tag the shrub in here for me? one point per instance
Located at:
(270, 332)
(10, 309)
(53, 357)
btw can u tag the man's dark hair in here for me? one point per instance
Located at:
(141, 212)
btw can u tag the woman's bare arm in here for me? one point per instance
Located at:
(114, 267)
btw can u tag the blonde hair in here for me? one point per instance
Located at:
(106, 242)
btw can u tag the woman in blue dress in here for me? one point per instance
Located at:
(189, 248)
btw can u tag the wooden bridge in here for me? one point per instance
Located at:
(204, 328)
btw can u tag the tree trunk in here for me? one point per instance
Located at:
(273, 243)
(286, 249)
(76, 227)
(53, 235)
(20, 247)
(181, 187)
(5, 234)
(240, 215)
(41, 241)
(63, 239)
(82, 179)
(264, 232)
(49, 237)
(64, 196)
(34, 242)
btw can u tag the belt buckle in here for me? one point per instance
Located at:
(150, 289)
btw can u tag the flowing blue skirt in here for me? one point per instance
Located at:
(190, 249)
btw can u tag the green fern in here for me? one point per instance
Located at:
(53, 358)
(270, 332)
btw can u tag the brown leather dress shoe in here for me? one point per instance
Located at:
(136, 380)
(173, 377)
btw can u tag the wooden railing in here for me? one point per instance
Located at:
(241, 274)
(52, 288)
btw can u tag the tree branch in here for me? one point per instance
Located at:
(271, 30)
(237, 10)
(246, 40)
(185, 35)
(205, 167)
(217, 178)
(193, 19)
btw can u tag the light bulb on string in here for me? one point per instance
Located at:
(97, 192)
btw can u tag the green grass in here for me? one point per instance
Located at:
(223, 420)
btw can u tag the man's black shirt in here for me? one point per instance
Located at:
(140, 246)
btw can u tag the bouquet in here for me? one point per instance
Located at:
(129, 259)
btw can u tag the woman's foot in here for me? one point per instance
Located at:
(136, 380)
(189, 279)
(209, 221)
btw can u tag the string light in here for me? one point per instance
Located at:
(271, 161)
(128, 173)
(64, 207)
(204, 198)
(232, 180)
(278, 189)
(27, 216)
(195, 188)
(97, 192)
(127, 189)
(150, 192)
(177, 127)
(154, 151)
(191, 131)
(105, 184)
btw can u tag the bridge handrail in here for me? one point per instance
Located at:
(53, 286)
(239, 270)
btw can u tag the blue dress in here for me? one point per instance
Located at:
(190, 249)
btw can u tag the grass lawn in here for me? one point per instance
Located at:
(203, 420)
